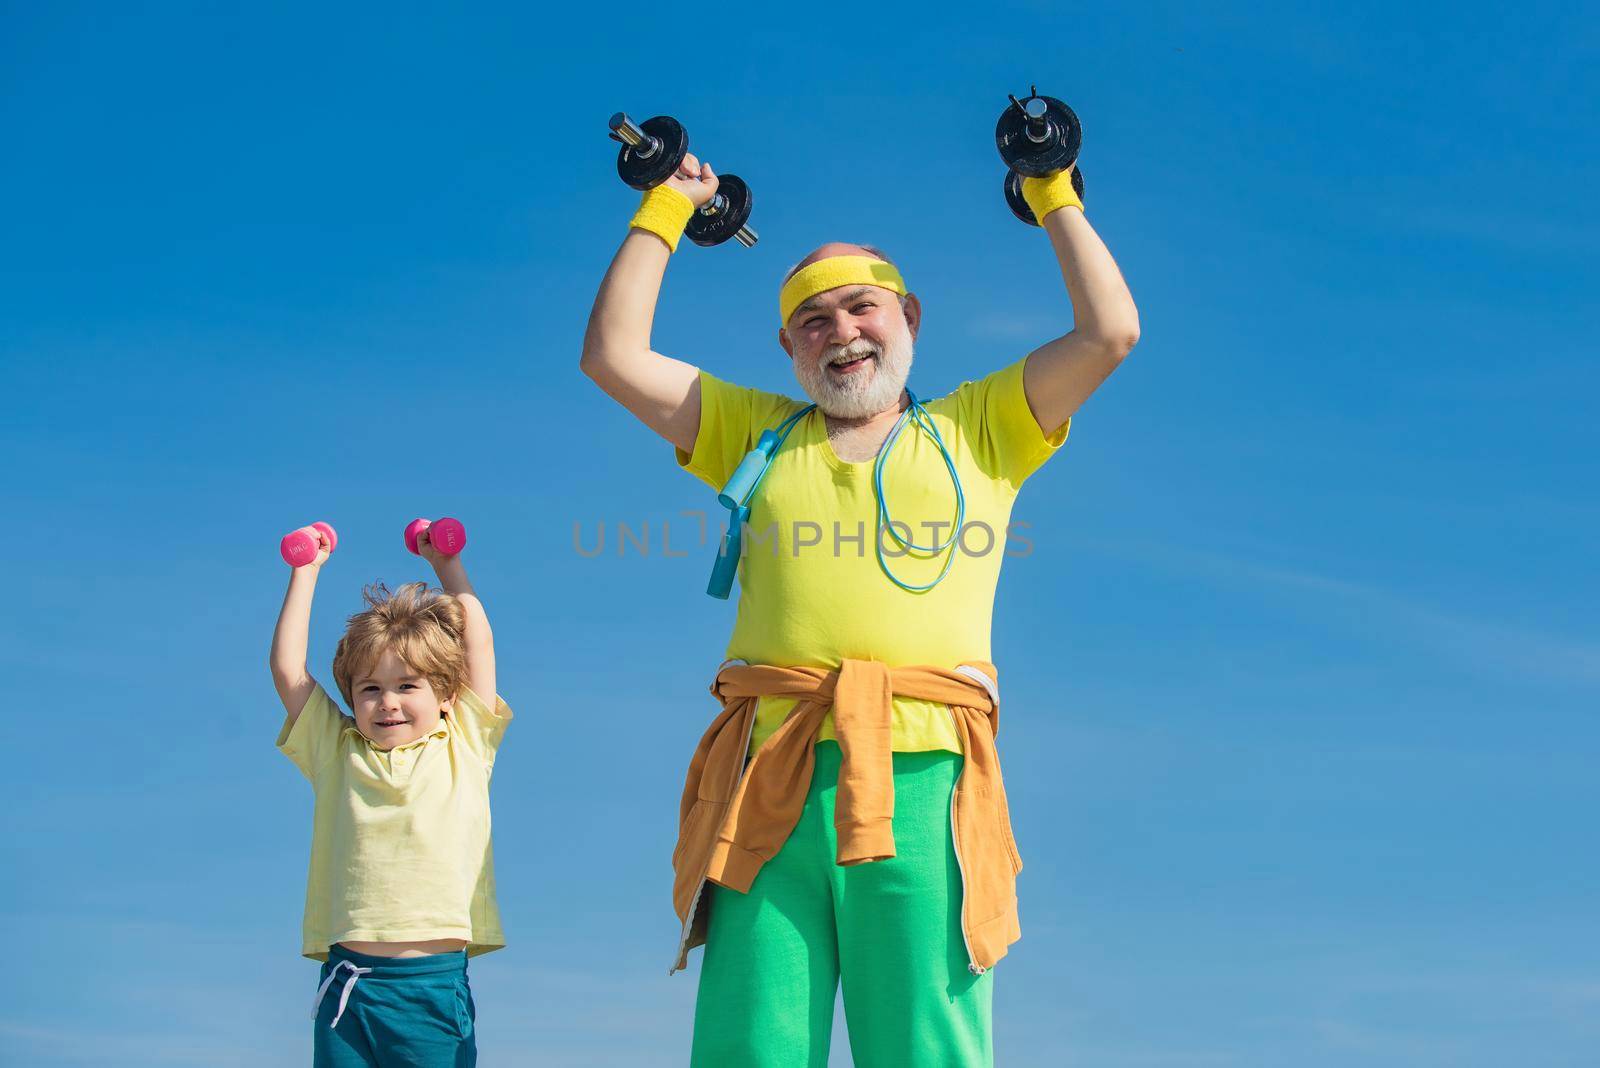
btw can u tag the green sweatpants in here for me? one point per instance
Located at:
(890, 930)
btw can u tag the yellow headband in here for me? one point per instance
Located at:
(833, 272)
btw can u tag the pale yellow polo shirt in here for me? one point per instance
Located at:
(400, 844)
(811, 591)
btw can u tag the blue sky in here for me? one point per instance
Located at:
(1301, 675)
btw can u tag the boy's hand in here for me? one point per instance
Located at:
(694, 180)
(324, 550)
(426, 550)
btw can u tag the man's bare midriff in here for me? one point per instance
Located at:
(407, 949)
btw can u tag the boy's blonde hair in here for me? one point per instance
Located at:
(422, 626)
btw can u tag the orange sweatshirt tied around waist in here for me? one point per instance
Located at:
(734, 818)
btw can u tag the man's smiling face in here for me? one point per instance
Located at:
(852, 346)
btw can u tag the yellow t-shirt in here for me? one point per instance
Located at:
(400, 845)
(811, 591)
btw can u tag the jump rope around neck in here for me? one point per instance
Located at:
(741, 487)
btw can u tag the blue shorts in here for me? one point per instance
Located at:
(382, 1012)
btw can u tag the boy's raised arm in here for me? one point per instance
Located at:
(288, 660)
(476, 638)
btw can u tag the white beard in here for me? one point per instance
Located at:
(868, 392)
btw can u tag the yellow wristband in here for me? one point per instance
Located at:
(664, 212)
(1045, 195)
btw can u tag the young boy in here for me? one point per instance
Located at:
(401, 887)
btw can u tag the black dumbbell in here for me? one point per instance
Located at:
(1037, 136)
(651, 152)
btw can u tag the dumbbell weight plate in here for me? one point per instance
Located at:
(448, 536)
(1035, 159)
(1019, 207)
(647, 172)
(707, 230)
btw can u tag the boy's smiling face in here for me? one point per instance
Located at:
(394, 703)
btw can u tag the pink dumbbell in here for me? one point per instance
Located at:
(447, 535)
(300, 547)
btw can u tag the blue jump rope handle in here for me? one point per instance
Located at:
(741, 486)
(727, 565)
(749, 469)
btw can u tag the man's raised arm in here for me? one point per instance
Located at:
(1060, 374)
(664, 393)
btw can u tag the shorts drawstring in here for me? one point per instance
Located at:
(344, 995)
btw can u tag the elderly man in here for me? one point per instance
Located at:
(844, 817)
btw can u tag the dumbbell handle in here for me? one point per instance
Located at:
(717, 204)
(1036, 127)
(629, 133)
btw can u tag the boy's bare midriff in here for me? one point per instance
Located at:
(407, 949)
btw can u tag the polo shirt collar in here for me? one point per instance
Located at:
(440, 731)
